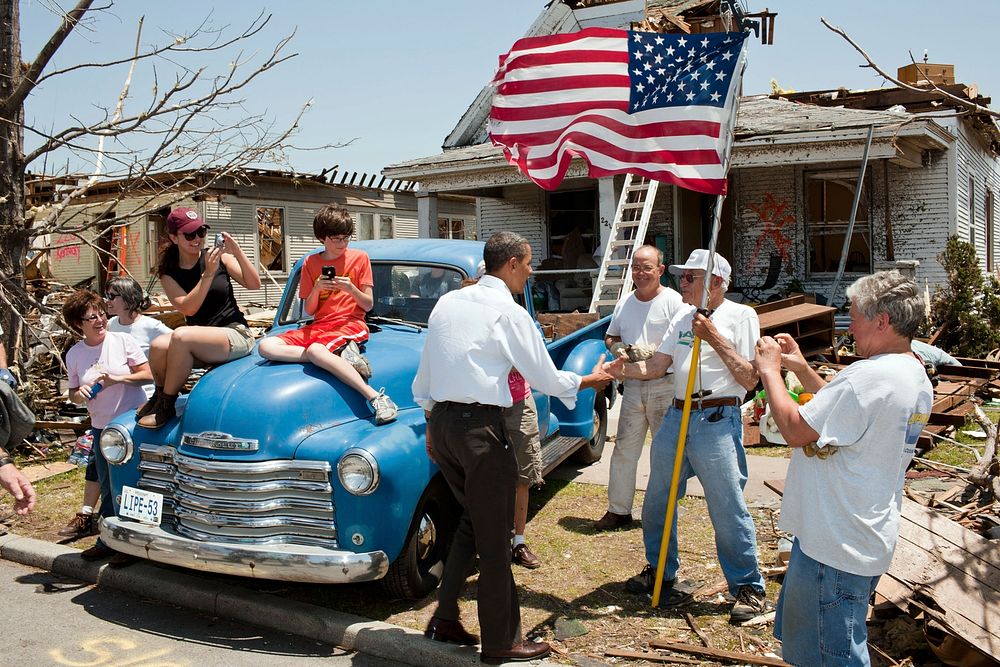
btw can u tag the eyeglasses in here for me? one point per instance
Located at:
(110, 296)
(643, 269)
(688, 277)
(92, 318)
(343, 238)
(198, 233)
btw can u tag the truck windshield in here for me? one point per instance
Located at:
(406, 292)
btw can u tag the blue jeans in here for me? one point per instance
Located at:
(714, 452)
(821, 614)
(103, 477)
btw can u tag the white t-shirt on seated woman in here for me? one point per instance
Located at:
(143, 329)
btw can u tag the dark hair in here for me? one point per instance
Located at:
(168, 257)
(131, 293)
(333, 220)
(76, 306)
(501, 247)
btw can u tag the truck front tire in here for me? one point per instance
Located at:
(592, 450)
(417, 570)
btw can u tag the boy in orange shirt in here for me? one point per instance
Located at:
(336, 285)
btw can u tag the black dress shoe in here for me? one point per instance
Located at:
(441, 630)
(99, 551)
(517, 653)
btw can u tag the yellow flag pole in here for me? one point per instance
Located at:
(668, 519)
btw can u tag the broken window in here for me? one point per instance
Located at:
(452, 228)
(374, 226)
(271, 238)
(829, 196)
(573, 224)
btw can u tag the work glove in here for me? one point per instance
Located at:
(8, 377)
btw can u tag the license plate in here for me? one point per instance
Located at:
(141, 505)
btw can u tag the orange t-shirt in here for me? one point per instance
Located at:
(354, 264)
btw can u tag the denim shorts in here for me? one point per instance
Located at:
(821, 614)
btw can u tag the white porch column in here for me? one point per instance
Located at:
(607, 203)
(427, 213)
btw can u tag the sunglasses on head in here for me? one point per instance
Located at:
(110, 296)
(198, 233)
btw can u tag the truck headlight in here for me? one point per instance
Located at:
(116, 445)
(358, 472)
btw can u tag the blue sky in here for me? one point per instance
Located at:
(396, 76)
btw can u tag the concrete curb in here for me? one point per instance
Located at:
(347, 631)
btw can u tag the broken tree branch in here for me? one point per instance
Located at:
(985, 471)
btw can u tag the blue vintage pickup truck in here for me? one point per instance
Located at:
(277, 471)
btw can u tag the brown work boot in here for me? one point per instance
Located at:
(612, 521)
(82, 525)
(163, 412)
(521, 555)
(150, 404)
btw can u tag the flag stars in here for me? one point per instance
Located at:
(658, 59)
(690, 96)
(682, 41)
(720, 76)
(647, 66)
(659, 40)
(727, 55)
(638, 55)
(715, 97)
(669, 51)
(649, 47)
(704, 43)
(704, 85)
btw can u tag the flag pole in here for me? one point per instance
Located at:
(695, 351)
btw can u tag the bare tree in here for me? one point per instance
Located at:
(192, 124)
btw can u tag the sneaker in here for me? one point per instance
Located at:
(522, 555)
(81, 525)
(352, 355)
(750, 603)
(385, 409)
(670, 595)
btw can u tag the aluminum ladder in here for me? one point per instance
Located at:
(635, 206)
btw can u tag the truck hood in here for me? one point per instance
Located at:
(282, 404)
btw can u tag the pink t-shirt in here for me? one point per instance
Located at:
(519, 387)
(116, 355)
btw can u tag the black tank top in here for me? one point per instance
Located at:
(219, 307)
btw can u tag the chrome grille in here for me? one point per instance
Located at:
(266, 502)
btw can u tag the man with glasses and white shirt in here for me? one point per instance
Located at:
(714, 448)
(638, 325)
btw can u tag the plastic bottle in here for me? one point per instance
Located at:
(95, 389)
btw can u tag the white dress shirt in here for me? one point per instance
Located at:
(475, 335)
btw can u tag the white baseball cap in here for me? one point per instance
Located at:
(698, 260)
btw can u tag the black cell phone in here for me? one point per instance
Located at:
(329, 272)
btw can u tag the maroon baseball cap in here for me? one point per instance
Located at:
(184, 220)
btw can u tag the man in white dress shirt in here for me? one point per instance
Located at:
(639, 322)
(475, 336)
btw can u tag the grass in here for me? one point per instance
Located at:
(961, 456)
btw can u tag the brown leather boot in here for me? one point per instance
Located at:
(162, 412)
(150, 404)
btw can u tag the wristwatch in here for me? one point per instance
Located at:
(4, 460)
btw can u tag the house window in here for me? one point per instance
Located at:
(989, 230)
(452, 228)
(374, 226)
(972, 211)
(829, 196)
(573, 224)
(271, 238)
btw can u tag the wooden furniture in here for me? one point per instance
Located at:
(810, 324)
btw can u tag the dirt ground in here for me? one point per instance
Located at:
(577, 600)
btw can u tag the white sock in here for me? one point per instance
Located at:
(87, 509)
(518, 539)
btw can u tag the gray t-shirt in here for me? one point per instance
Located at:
(844, 509)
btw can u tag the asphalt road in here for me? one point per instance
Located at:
(49, 619)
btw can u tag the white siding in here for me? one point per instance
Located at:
(406, 227)
(975, 162)
(522, 210)
(767, 205)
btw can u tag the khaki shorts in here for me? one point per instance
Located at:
(521, 421)
(240, 340)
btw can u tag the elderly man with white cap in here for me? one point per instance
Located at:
(714, 449)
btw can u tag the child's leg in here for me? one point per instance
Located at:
(340, 369)
(276, 349)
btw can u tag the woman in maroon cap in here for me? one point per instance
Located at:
(198, 282)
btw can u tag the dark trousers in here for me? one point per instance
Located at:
(475, 456)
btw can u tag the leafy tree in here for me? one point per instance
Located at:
(968, 309)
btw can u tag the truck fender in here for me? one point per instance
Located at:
(579, 422)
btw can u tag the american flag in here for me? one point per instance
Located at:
(656, 105)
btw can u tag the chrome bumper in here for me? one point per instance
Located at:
(283, 562)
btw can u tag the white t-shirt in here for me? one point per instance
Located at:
(115, 355)
(737, 323)
(144, 329)
(845, 509)
(645, 322)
